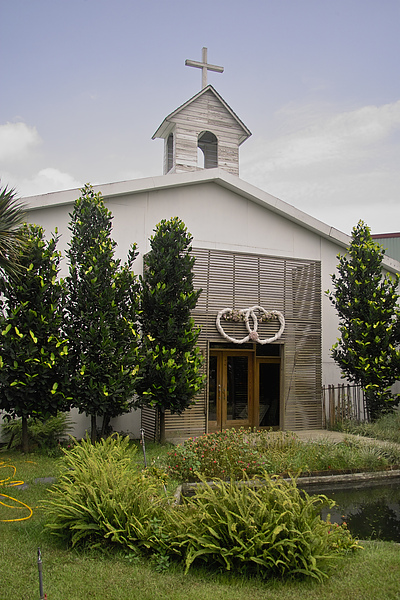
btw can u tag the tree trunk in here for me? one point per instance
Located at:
(93, 429)
(25, 439)
(375, 405)
(105, 425)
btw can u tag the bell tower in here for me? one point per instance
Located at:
(204, 132)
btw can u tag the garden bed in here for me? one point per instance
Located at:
(244, 455)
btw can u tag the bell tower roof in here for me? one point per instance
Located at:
(165, 126)
(204, 132)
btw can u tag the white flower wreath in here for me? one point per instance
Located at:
(245, 315)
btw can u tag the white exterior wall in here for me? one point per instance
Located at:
(221, 212)
(219, 219)
(216, 217)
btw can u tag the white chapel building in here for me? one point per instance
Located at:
(256, 256)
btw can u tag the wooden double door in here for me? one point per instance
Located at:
(244, 390)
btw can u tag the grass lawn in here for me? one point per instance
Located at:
(373, 573)
(71, 575)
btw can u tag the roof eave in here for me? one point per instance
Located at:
(219, 177)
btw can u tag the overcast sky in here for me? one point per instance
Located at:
(85, 84)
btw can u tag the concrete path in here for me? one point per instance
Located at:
(322, 434)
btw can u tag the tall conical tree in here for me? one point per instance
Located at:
(367, 304)
(101, 315)
(171, 369)
(33, 376)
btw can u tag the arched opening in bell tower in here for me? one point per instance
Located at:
(208, 144)
(170, 152)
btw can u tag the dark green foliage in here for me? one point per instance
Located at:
(171, 368)
(33, 351)
(45, 433)
(12, 215)
(272, 530)
(101, 314)
(367, 305)
(103, 499)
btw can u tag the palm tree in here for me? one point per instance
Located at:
(12, 215)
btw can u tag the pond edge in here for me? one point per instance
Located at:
(315, 484)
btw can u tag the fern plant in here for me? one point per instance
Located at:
(100, 492)
(275, 529)
(45, 433)
(103, 498)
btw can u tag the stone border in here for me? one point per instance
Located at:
(350, 480)
(316, 484)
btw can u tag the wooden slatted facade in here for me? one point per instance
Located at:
(238, 281)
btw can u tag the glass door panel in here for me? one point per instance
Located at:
(237, 404)
(269, 393)
(230, 389)
(212, 389)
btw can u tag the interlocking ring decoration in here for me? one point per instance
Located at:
(250, 313)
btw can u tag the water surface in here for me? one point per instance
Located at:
(369, 512)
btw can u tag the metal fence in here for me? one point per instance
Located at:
(341, 402)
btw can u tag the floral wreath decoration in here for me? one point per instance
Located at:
(235, 315)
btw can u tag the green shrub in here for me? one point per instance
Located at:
(354, 427)
(381, 456)
(276, 441)
(386, 427)
(273, 530)
(42, 433)
(224, 454)
(242, 453)
(348, 455)
(103, 497)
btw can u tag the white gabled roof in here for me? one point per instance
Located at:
(218, 177)
(163, 129)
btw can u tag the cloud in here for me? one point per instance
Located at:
(333, 138)
(48, 180)
(16, 140)
(333, 166)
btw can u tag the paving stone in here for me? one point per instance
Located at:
(45, 480)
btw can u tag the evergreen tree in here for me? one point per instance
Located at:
(171, 365)
(33, 351)
(100, 315)
(367, 305)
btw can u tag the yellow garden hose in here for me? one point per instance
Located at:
(9, 482)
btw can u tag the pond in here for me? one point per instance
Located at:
(369, 512)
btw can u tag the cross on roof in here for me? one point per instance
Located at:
(204, 66)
